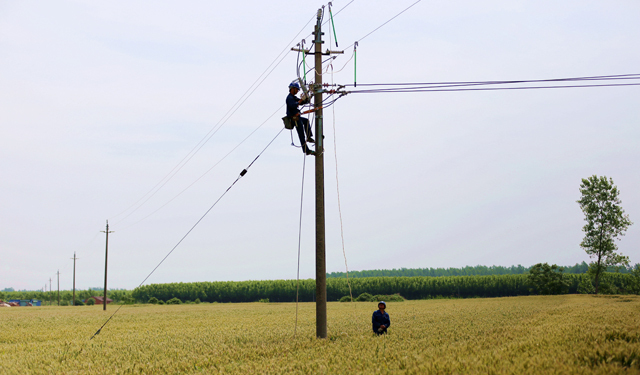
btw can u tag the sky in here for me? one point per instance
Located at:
(99, 101)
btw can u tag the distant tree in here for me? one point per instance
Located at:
(153, 300)
(606, 221)
(174, 301)
(91, 301)
(365, 297)
(635, 283)
(585, 286)
(546, 279)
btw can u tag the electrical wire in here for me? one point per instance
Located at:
(207, 172)
(304, 163)
(488, 88)
(252, 88)
(473, 83)
(335, 158)
(379, 27)
(244, 171)
(338, 12)
(588, 78)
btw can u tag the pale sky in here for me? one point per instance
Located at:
(100, 100)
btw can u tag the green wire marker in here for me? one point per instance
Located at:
(355, 60)
(304, 64)
(332, 25)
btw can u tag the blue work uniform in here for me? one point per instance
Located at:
(302, 124)
(379, 319)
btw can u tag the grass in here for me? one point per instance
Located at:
(551, 334)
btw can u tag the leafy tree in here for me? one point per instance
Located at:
(153, 300)
(174, 301)
(585, 286)
(606, 221)
(546, 279)
(635, 282)
(91, 301)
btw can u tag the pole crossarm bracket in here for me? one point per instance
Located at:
(308, 52)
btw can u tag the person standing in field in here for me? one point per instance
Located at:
(380, 319)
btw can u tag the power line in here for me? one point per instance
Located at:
(208, 170)
(242, 173)
(605, 77)
(252, 88)
(391, 19)
(488, 88)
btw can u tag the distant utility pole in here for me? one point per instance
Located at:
(321, 266)
(73, 303)
(58, 273)
(106, 258)
(50, 291)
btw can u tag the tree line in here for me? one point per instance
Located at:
(119, 295)
(465, 271)
(421, 287)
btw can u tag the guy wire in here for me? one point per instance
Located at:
(242, 173)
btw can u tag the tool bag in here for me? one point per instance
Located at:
(288, 124)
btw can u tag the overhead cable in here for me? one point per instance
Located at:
(210, 169)
(607, 81)
(391, 19)
(242, 173)
(243, 98)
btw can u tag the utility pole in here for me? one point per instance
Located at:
(73, 303)
(106, 258)
(58, 273)
(321, 266)
(50, 291)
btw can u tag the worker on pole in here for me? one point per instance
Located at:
(302, 124)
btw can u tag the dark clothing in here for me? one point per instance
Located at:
(302, 124)
(292, 105)
(379, 319)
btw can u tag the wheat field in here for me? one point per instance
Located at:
(546, 334)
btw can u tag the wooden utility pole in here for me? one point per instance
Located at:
(321, 266)
(106, 258)
(50, 291)
(73, 303)
(58, 273)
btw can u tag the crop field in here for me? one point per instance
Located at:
(546, 334)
